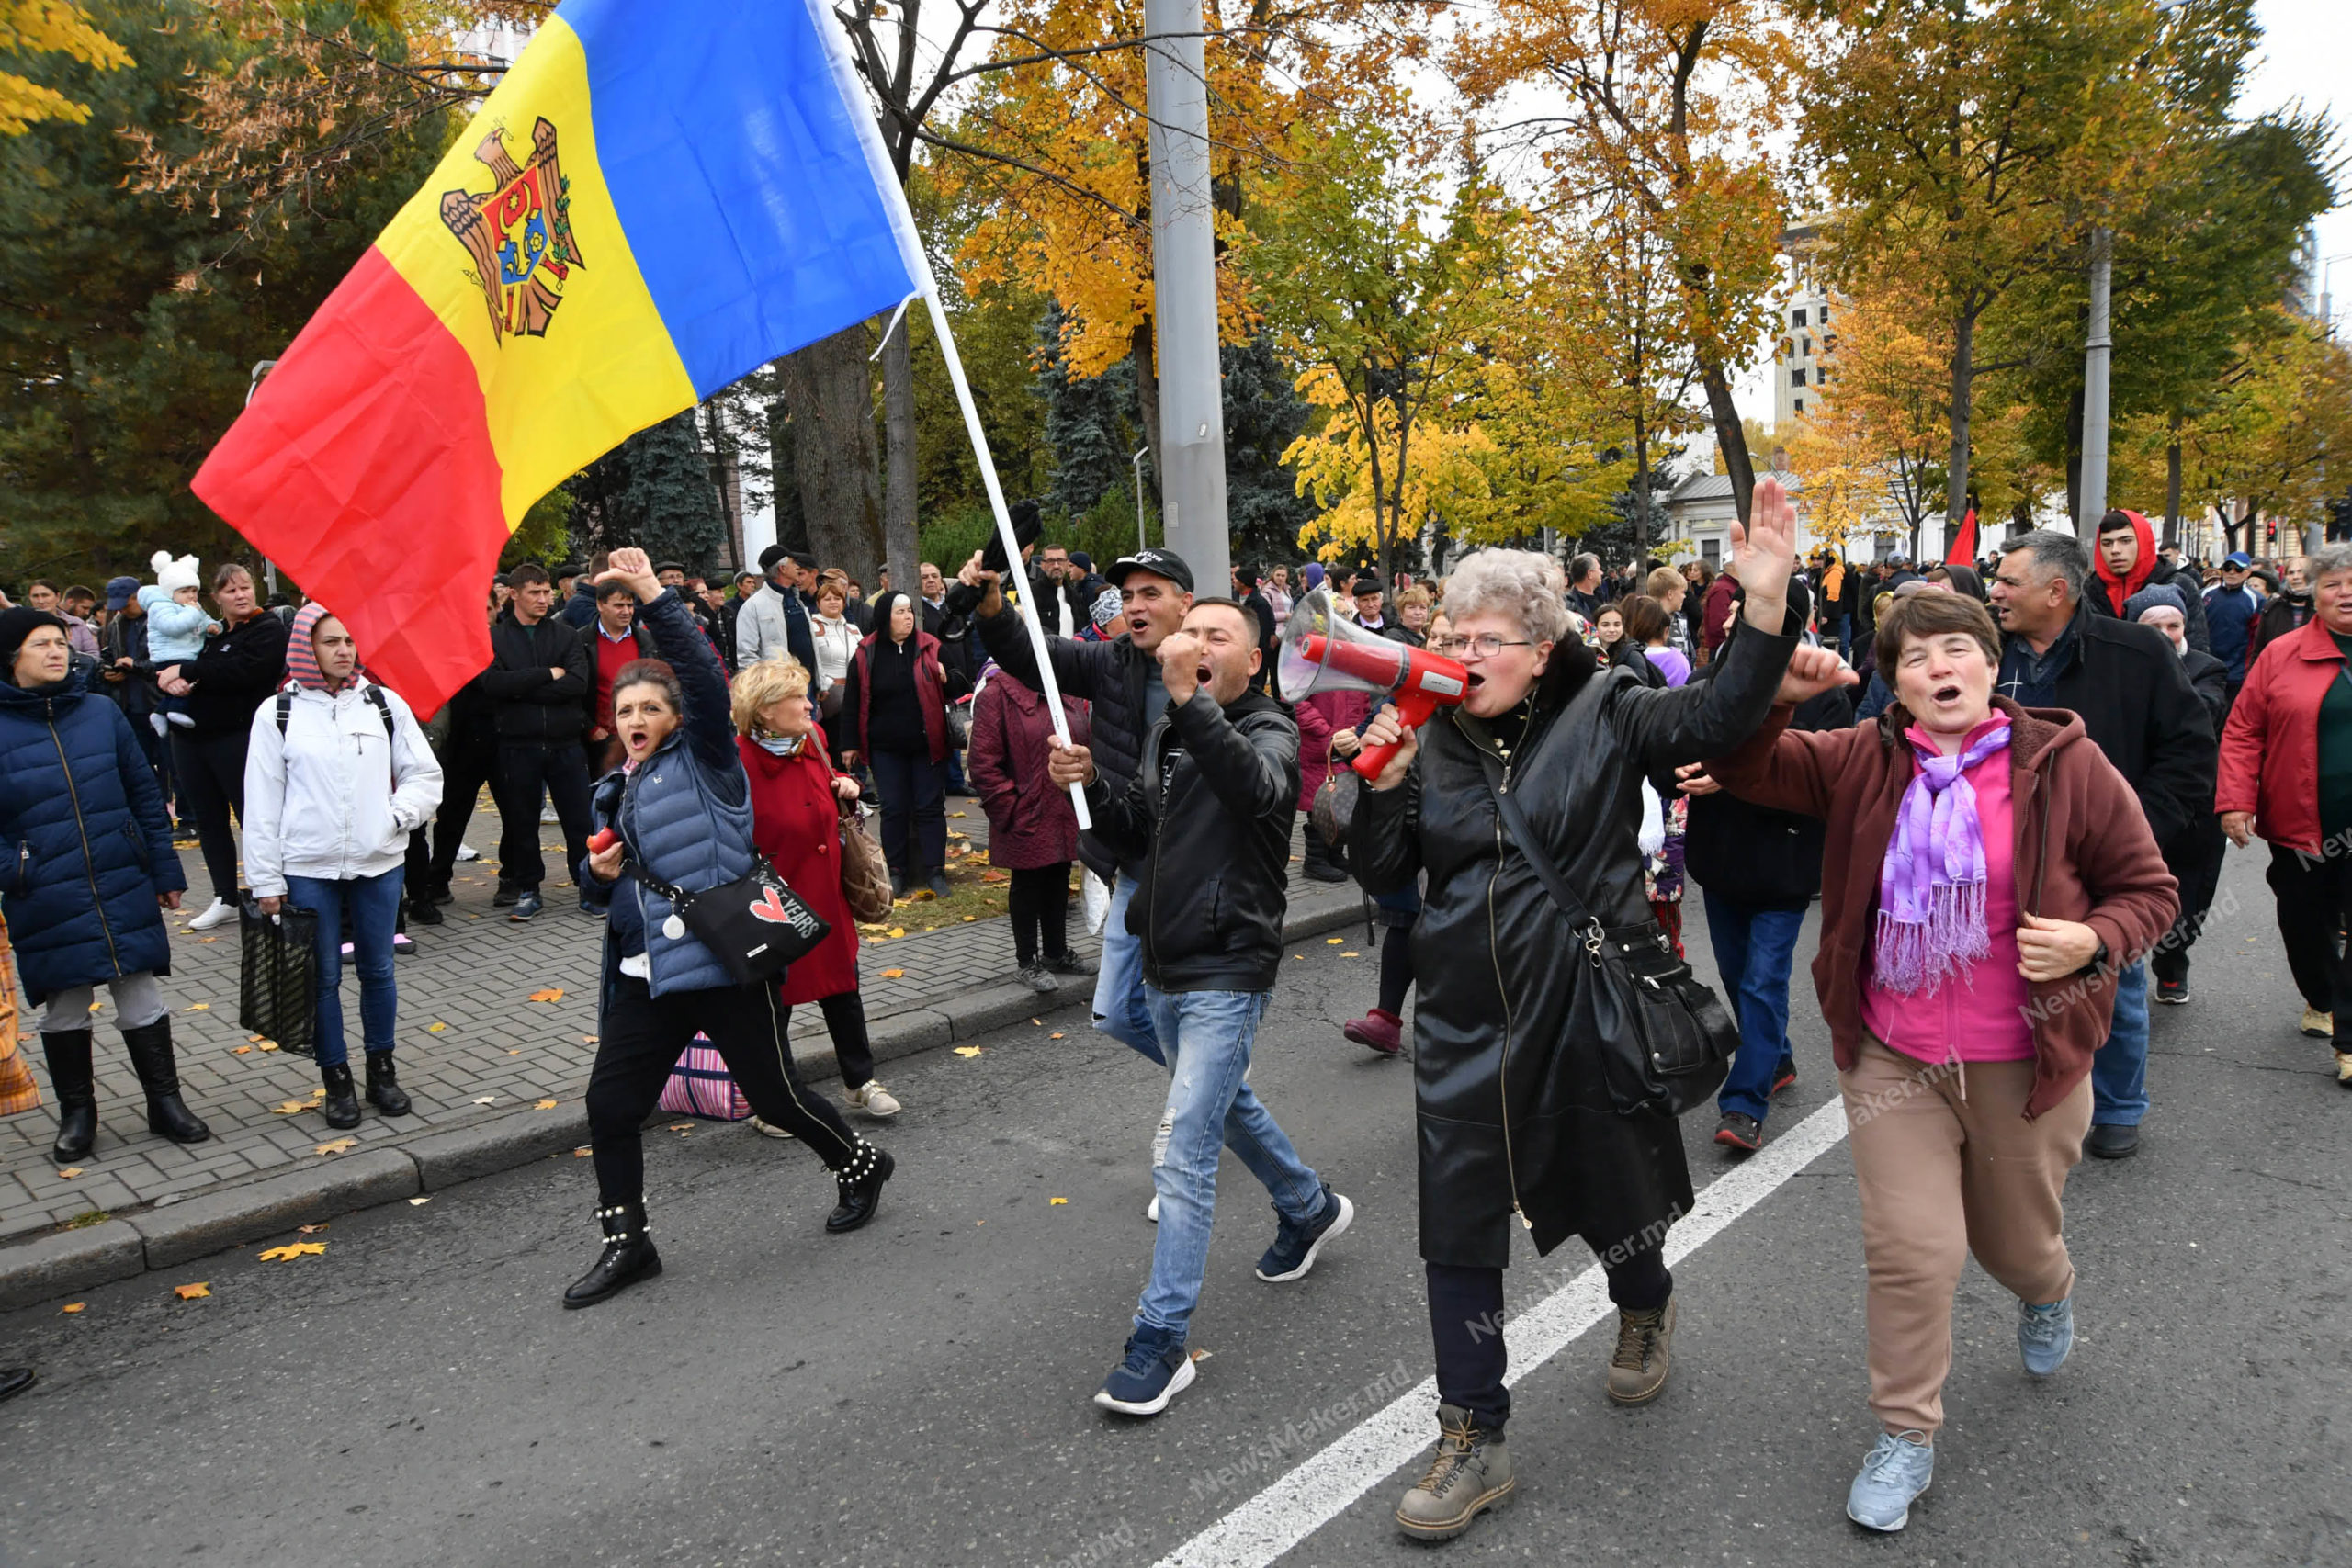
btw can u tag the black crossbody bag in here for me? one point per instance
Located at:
(1663, 1039)
(757, 925)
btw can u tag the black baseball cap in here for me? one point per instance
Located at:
(1159, 562)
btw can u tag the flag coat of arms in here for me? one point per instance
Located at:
(660, 197)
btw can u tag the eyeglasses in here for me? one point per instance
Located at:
(1486, 645)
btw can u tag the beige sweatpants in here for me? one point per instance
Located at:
(1943, 1175)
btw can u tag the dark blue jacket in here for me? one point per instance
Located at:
(83, 828)
(686, 812)
(2229, 619)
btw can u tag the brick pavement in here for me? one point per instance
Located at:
(471, 1045)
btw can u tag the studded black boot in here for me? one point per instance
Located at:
(384, 1091)
(629, 1256)
(860, 1185)
(342, 1105)
(71, 1078)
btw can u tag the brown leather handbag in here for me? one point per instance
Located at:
(865, 872)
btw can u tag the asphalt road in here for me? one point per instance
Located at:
(917, 1394)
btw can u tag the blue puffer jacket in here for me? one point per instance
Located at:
(686, 812)
(88, 848)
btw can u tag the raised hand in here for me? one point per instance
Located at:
(1764, 554)
(635, 567)
(1812, 670)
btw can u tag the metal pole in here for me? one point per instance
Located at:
(2098, 351)
(1141, 452)
(1183, 265)
(268, 566)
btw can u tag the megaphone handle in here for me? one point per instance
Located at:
(1372, 758)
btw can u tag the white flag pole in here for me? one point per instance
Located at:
(1003, 528)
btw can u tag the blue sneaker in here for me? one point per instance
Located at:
(2045, 1334)
(1296, 1245)
(1894, 1472)
(528, 904)
(1157, 1370)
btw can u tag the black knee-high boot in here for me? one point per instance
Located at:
(150, 1047)
(70, 1075)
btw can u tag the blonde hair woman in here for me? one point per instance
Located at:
(796, 823)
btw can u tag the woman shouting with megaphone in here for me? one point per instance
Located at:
(1535, 1083)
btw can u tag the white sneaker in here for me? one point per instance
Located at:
(874, 1100)
(768, 1129)
(546, 814)
(1151, 1210)
(466, 851)
(218, 913)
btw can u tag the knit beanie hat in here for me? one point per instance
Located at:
(2149, 598)
(171, 576)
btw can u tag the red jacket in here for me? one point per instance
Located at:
(1031, 822)
(930, 691)
(796, 824)
(2082, 846)
(2270, 747)
(1321, 716)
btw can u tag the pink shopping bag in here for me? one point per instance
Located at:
(701, 1086)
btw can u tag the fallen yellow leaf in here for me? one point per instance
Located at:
(894, 974)
(898, 930)
(1056, 1035)
(418, 1202)
(552, 994)
(195, 1292)
(1351, 956)
(582, 1152)
(967, 1050)
(681, 1127)
(336, 1145)
(241, 1050)
(318, 1094)
(1052, 1201)
(1332, 941)
(1037, 1023)
(206, 941)
(256, 1039)
(584, 1040)
(544, 1105)
(198, 1007)
(311, 1230)
(435, 1027)
(955, 815)
(70, 1172)
(291, 1108)
(269, 1045)
(73, 1306)
(292, 1250)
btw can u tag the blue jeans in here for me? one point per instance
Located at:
(1755, 949)
(1119, 1008)
(1207, 1036)
(2120, 1070)
(374, 904)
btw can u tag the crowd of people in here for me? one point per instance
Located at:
(2009, 786)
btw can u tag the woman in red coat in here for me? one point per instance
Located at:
(1033, 829)
(796, 825)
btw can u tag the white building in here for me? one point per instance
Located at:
(1800, 355)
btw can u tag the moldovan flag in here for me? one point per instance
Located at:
(1963, 544)
(661, 196)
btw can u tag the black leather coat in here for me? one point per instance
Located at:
(1513, 1114)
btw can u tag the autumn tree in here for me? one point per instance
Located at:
(1887, 409)
(49, 27)
(1664, 111)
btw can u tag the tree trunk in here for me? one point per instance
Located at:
(727, 480)
(791, 522)
(898, 445)
(1147, 400)
(1730, 439)
(1641, 485)
(831, 398)
(1963, 386)
(2172, 487)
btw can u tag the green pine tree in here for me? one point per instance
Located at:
(1263, 414)
(1089, 425)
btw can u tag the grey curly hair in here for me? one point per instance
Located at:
(1524, 584)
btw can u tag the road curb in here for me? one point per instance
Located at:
(170, 1235)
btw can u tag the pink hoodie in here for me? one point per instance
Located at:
(1981, 1017)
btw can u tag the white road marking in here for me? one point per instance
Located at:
(1324, 1485)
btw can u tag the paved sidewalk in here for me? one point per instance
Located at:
(477, 1054)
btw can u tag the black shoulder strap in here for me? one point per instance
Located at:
(1531, 847)
(383, 709)
(284, 711)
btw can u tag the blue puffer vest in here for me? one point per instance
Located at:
(88, 848)
(685, 811)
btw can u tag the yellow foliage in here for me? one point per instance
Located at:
(49, 27)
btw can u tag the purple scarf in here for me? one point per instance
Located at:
(1931, 889)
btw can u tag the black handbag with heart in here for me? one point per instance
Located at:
(756, 925)
(1664, 1040)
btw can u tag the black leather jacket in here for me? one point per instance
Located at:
(1514, 1112)
(1213, 828)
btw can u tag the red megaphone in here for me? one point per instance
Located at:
(1323, 652)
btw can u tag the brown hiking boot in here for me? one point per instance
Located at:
(1470, 1472)
(1638, 1372)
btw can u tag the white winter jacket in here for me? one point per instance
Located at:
(333, 798)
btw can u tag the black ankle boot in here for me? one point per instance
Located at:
(150, 1047)
(861, 1184)
(384, 1091)
(343, 1100)
(629, 1256)
(77, 1099)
